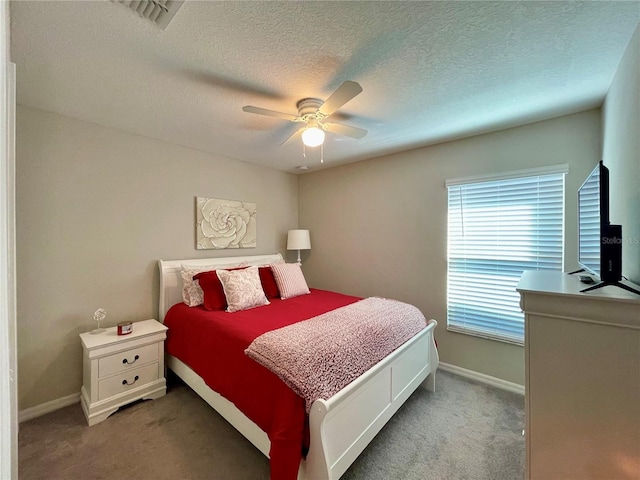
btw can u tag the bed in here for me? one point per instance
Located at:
(340, 427)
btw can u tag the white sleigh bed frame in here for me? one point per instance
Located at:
(340, 427)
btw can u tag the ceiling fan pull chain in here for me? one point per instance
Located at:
(322, 153)
(304, 151)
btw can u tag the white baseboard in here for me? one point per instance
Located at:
(53, 405)
(48, 407)
(481, 377)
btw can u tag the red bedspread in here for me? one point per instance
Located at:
(213, 345)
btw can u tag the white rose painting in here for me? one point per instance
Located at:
(225, 224)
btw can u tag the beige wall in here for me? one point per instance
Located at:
(96, 208)
(379, 227)
(621, 154)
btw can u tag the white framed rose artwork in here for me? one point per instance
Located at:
(225, 224)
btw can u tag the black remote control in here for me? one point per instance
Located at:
(586, 279)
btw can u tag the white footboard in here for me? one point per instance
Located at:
(344, 425)
(341, 427)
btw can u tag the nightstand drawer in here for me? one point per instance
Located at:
(127, 360)
(126, 381)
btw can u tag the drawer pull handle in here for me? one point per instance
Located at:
(135, 379)
(135, 359)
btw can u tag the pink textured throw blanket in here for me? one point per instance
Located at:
(318, 357)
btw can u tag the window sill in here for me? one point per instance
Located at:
(487, 336)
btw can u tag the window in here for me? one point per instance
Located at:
(500, 226)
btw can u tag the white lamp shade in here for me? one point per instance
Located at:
(298, 240)
(312, 136)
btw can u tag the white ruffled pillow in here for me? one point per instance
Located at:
(242, 288)
(192, 294)
(290, 280)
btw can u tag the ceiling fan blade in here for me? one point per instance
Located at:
(270, 113)
(342, 95)
(346, 130)
(293, 136)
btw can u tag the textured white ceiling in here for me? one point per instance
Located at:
(430, 71)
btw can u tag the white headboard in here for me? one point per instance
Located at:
(171, 280)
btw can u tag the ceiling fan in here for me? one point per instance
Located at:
(314, 113)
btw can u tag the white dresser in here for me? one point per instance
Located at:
(582, 379)
(118, 369)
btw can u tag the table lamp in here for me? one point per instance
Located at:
(298, 240)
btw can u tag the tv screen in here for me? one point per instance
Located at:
(599, 242)
(593, 218)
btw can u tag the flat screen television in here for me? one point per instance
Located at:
(599, 242)
(593, 218)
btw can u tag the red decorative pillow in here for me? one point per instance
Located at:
(268, 281)
(214, 297)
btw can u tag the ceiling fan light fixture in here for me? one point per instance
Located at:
(312, 136)
(312, 112)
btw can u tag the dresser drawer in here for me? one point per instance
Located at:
(126, 381)
(127, 360)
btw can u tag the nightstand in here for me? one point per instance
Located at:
(118, 369)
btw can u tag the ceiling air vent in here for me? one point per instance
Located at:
(159, 12)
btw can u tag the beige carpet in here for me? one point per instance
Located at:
(463, 431)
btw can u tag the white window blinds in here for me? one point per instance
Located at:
(497, 229)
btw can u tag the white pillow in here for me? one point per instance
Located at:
(192, 293)
(242, 288)
(290, 280)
